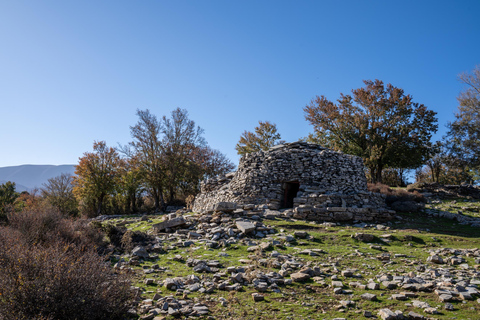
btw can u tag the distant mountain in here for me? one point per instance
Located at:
(28, 177)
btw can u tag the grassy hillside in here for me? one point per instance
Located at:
(419, 266)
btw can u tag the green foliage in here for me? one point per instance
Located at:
(264, 137)
(378, 123)
(8, 195)
(97, 175)
(148, 150)
(180, 139)
(463, 137)
(173, 155)
(131, 184)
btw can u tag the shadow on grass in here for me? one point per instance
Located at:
(423, 222)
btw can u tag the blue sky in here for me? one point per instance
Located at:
(72, 72)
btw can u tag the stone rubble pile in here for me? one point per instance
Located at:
(317, 183)
(446, 274)
(462, 219)
(442, 191)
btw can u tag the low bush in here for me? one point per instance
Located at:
(114, 233)
(45, 226)
(394, 195)
(50, 268)
(61, 281)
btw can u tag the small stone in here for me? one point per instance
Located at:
(201, 309)
(337, 290)
(300, 234)
(431, 310)
(299, 277)
(265, 245)
(347, 303)
(364, 237)
(257, 297)
(369, 296)
(445, 297)
(347, 273)
(245, 227)
(420, 304)
(415, 316)
(465, 296)
(399, 297)
(387, 314)
(140, 252)
(435, 259)
(373, 286)
(173, 312)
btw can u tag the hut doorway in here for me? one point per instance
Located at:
(290, 190)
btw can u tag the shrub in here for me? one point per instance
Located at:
(394, 195)
(61, 281)
(114, 233)
(45, 226)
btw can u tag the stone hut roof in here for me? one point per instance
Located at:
(297, 175)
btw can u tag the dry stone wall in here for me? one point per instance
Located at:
(316, 182)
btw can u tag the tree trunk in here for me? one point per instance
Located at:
(378, 177)
(100, 204)
(134, 202)
(158, 197)
(171, 194)
(372, 174)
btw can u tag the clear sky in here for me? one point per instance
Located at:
(72, 72)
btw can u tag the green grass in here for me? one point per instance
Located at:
(460, 205)
(412, 237)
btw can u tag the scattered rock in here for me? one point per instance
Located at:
(387, 314)
(364, 237)
(300, 277)
(245, 226)
(257, 297)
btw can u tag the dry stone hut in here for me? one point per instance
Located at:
(315, 182)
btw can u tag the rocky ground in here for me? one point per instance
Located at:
(262, 264)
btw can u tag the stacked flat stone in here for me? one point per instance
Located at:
(332, 185)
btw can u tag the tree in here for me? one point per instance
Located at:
(378, 123)
(131, 182)
(265, 137)
(147, 145)
(213, 162)
(205, 163)
(173, 155)
(8, 195)
(58, 192)
(96, 177)
(181, 137)
(463, 136)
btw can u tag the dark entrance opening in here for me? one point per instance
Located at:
(290, 190)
